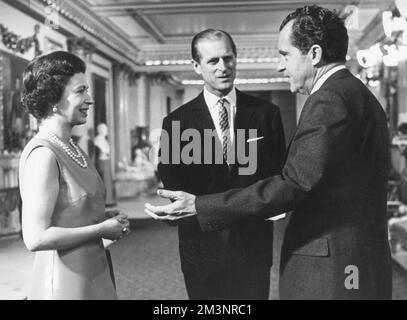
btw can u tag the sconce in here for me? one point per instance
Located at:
(351, 15)
(387, 19)
(394, 48)
(394, 55)
(402, 7)
(393, 21)
(370, 57)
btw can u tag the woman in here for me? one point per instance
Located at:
(63, 212)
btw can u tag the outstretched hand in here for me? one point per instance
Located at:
(183, 206)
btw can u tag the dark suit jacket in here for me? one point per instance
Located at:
(335, 179)
(204, 254)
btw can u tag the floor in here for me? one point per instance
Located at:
(146, 263)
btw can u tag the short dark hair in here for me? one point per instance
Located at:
(209, 34)
(317, 25)
(45, 79)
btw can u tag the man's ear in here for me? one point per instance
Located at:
(197, 67)
(315, 54)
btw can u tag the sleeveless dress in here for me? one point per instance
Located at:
(81, 272)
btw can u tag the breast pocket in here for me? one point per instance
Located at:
(317, 248)
(258, 155)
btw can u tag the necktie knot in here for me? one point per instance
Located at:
(223, 102)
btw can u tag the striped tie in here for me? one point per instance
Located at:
(224, 126)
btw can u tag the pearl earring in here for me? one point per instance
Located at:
(55, 109)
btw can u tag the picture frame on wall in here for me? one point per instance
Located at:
(15, 124)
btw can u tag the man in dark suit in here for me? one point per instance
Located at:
(334, 178)
(229, 263)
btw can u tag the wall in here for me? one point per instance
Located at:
(158, 102)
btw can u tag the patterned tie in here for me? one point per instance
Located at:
(224, 126)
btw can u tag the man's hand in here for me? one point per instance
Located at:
(183, 206)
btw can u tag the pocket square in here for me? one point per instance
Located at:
(254, 139)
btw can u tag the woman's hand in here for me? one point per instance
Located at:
(115, 227)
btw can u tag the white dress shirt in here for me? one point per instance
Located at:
(211, 101)
(325, 77)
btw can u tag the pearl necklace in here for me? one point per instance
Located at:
(76, 156)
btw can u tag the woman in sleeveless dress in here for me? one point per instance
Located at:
(63, 213)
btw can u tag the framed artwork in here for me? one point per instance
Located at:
(15, 124)
(10, 211)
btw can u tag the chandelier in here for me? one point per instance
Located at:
(393, 49)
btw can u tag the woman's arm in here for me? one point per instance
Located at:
(39, 192)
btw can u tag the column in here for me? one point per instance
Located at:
(121, 118)
(164, 93)
(402, 90)
(390, 84)
(1, 106)
(143, 101)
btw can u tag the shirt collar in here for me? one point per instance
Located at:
(325, 77)
(212, 99)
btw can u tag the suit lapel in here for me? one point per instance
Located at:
(243, 118)
(201, 115)
(202, 120)
(243, 112)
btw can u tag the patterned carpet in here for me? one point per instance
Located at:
(147, 264)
